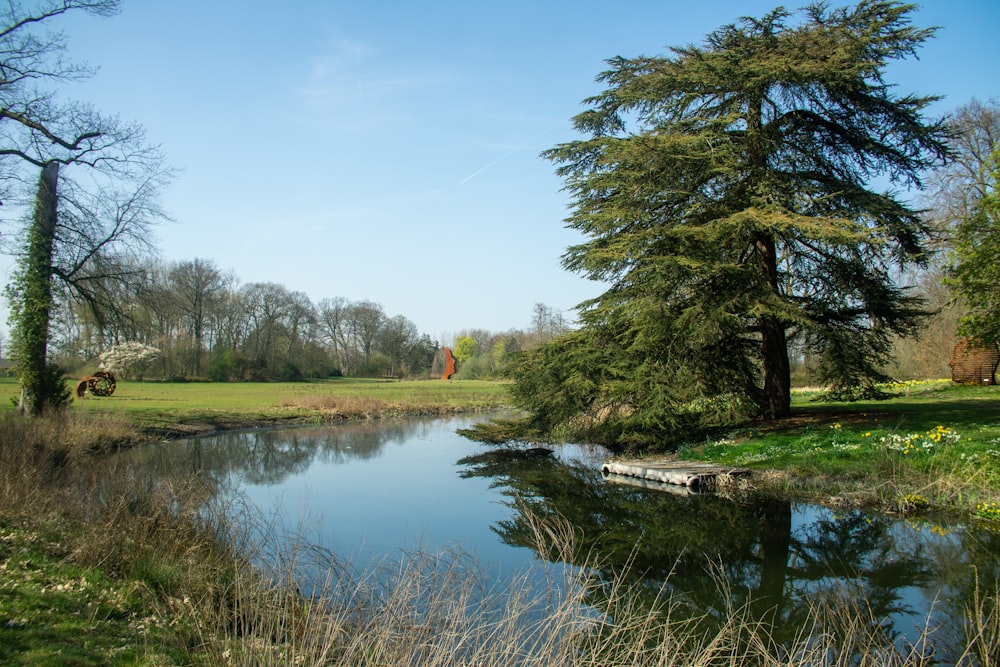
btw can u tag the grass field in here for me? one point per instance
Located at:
(935, 445)
(182, 408)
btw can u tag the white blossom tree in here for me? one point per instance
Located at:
(128, 359)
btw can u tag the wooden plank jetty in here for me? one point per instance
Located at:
(693, 475)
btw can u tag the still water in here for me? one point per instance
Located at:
(375, 491)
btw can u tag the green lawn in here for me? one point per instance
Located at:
(195, 406)
(934, 445)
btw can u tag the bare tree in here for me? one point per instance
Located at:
(331, 315)
(95, 197)
(363, 321)
(956, 190)
(268, 307)
(547, 322)
(300, 324)
(955, 194)
(396, 336)
(197, 286)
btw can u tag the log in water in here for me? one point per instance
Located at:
(690, 474)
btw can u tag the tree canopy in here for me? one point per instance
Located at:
(726, 195)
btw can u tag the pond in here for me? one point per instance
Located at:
(374, 491)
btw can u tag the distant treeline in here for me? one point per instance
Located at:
(206, 324)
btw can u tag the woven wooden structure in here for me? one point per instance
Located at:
(973, 362)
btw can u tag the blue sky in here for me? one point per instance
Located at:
(388, 151)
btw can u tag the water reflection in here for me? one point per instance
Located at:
(272, 456)
(778, 558)
(391, 486)
(366, 490)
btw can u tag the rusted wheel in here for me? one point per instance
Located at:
(101, 383)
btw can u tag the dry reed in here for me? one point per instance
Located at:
(343, 406)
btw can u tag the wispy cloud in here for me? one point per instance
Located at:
(505, 155)
(353, 72)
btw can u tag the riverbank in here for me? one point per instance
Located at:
(170, 410)
(121, 565)
(934, 447)
(99, 568)
(104, 566)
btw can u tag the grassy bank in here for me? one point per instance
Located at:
(91, 561)
(934, 446)
(186, 408)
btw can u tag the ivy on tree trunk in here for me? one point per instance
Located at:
(41, 383)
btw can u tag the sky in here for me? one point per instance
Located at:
(389, 151)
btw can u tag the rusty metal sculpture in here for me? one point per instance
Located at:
(101, 383)
(973, 362)
(449, 364)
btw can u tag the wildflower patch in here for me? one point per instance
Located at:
(920, 443)
(912, 502)
(843, 443)
(989, 511)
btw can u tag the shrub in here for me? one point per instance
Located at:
(227, 366)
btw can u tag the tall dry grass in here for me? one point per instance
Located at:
(337, 407)
(59, 476)
(435, 610)
(365, 407)
(236, 590)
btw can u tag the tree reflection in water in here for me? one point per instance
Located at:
(270, 456)
(779, 560)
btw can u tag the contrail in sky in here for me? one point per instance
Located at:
(504, 156)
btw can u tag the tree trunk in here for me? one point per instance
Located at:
(777, 390)
(777, 374)
(774, 342)
(35, 310)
